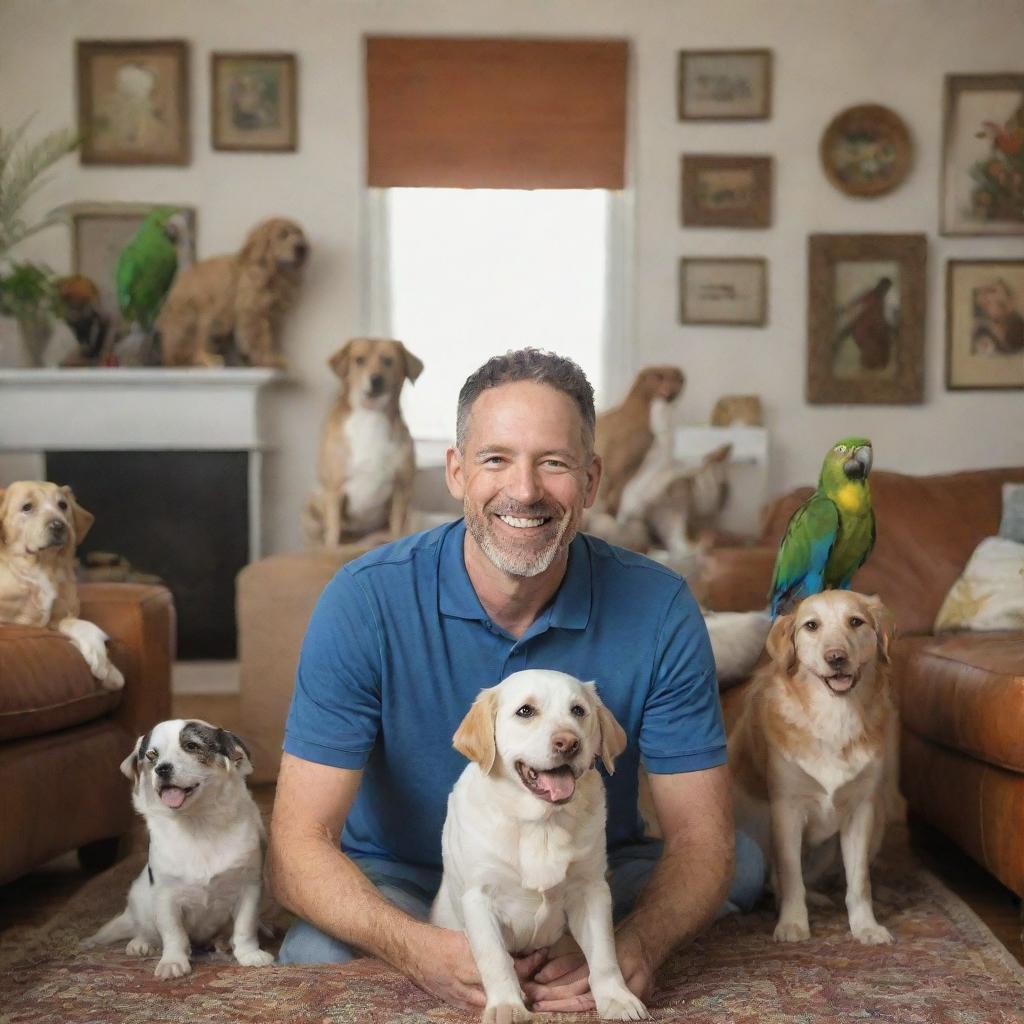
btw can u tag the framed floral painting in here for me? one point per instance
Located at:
(254, 101)
(983, 155)
(133, 102)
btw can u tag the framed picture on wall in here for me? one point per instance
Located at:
(724, 85)
(727, 191)
(865, 319)
(726, 291)
(254, 100)
(866, 151)
(99, 231)
(984, 324)
(133, 102)
(983, 155)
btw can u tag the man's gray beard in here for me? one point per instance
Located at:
(514, 563)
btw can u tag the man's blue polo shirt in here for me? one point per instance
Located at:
(399, 646)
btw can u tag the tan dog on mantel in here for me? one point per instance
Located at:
(624, 434)
(40, 526)
(367, 462)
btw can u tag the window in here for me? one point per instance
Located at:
(463, 274)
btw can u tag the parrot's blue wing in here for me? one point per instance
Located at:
(804, 551)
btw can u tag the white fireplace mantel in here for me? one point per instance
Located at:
(141, 409)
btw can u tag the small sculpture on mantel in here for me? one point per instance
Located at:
(228, 308)
(738, 411)
(146, 270)
(80, 309)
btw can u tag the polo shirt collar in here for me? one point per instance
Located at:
(569, 610)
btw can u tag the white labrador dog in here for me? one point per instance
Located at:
(206, 844)
(524, 839)
(814, 751)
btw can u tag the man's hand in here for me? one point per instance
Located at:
(563, 983)
(445, 967)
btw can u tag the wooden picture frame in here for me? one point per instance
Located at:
(254, 102)
(724, 85)
(866, 151)
(99, 231)
(865, 319)
(133, 102)
(723, 291)
(983, 131)
(721, 191)
(985, 325)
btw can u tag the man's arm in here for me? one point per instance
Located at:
(309, 875)
(688, 885)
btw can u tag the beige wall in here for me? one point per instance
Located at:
(828, 55)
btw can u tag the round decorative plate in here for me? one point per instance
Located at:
(866, 150)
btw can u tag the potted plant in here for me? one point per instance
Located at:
(27, 290)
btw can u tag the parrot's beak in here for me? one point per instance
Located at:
(858, 465)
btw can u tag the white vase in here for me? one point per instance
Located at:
(35, 331)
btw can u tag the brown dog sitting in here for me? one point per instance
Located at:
(40, 526)
(624, 434)
(367, 462)
(238, 297)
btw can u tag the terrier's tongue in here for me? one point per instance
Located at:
(558, 784)
(172, 796)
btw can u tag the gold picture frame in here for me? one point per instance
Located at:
(723, 291)
(724, 85)
(133, 104)
(865, 319)
(866, 151)
(254, 102)
(721, 191)
(985, 325)
(983, 131)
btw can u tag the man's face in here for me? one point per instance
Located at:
(524, 477)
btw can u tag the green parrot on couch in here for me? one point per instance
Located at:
(830, 536)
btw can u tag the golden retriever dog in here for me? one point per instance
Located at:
(523, 844)
(624, 434)
(811, 752)
(40, 526)
(367, 462)
(239, 297)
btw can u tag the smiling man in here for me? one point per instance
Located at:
(403, 639)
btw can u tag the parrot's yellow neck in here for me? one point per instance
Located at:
(851, 498)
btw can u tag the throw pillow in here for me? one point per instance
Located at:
(989, 595)
(1012, 524)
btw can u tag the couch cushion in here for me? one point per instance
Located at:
(45, 684)
(966, 692)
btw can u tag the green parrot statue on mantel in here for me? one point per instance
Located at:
(146, 268)
(830, 536)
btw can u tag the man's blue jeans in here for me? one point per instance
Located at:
(412, 889)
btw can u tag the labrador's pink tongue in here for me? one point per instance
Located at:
(558, 784)
(172, 796)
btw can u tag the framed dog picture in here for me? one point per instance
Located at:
(254, 99)
(724, 85)
(729, 291)
(99, 231)
(984, 324)
(866, 319)
(983, 155)
(727, 191)
(133, 102)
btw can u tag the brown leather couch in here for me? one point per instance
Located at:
(961, 695)
(62, 737)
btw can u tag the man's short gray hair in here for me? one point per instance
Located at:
(533, 364)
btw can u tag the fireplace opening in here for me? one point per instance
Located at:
(181, 516)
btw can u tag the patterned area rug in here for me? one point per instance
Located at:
(946, 967)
